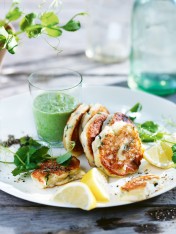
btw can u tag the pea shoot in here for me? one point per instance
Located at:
(32, 25)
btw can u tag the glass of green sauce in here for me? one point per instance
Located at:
(56, 92)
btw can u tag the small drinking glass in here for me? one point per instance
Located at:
(153, 47)
(108, 30)
(56, 92)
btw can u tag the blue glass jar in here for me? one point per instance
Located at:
(153, 47)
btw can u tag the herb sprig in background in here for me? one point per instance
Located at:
(32, 25)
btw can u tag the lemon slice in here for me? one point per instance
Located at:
(171, 138)
(160, 155)
(76, 194)
(97, 183)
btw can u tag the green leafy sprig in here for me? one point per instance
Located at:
(133, 111)
(149, 131)
(65, 159)
(33, 25)
(31, 154)
(174, 153)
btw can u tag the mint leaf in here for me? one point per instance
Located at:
(39, 153)
(136, 108)
(24, 141)
(32, 150)
(174, 153)
(49, 19)
(53, 31)
(33, 142)
(147, 136)
(14, 14)
(31, 166)
(21, 155)
(131, 113)
(27, 21)
(174, 157)
(29, 155)
(18, 170)
(63, 158)
(150, 126)
(174, 148)
(66, 163)
(149, 131)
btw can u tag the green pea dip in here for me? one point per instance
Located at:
(51, 112)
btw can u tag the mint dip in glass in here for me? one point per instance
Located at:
(51, 112)
(56, 93)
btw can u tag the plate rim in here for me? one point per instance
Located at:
(12, 189)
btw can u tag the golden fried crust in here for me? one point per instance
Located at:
(52, 167)
(120, 153)
(118, 116)
(101, 108)
(71, 130)
(94, 109)
(78, 149)
(91, 130)
(138, 182)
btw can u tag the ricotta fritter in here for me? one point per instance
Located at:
(71, 130)
(118, 149)
(52, 174)
(140, 188)
(91, 130)
(94, 109)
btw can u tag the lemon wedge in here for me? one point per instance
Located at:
(97, 183)
(76, 194)
(160, 155)
(171, 138)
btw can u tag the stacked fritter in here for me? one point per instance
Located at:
(110, 142)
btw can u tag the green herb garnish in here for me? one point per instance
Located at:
(149, 131)
(136, 108)
(149, 136)
(131, 113)
(65, 159)
(174, 153)
(31, 154)
(150, 126)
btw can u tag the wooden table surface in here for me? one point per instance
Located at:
(157, 215)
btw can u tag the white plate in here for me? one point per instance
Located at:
(16, 118)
